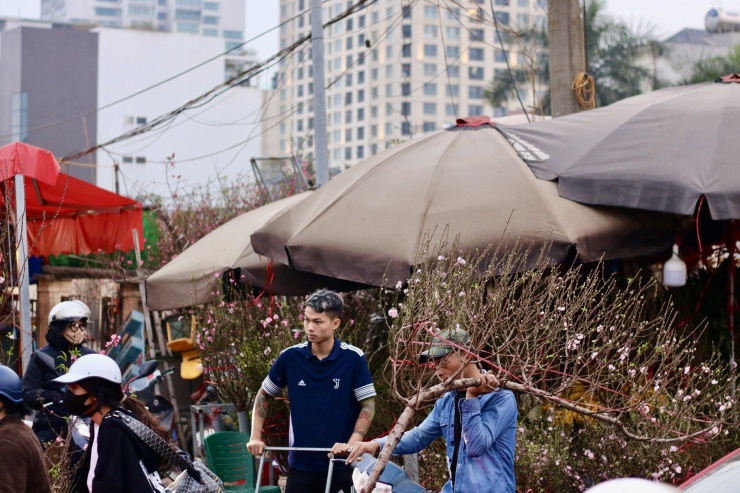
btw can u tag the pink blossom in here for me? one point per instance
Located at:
(393, 313)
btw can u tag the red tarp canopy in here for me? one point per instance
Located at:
(73, 216)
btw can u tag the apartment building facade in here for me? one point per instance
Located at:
(395, 70)
(213, 18)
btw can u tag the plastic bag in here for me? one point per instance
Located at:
(359, 479)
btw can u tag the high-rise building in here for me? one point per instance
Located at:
(216, 18)
(394, 70)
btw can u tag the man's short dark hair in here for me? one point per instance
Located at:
(325, 301)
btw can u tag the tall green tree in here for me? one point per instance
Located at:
(618, 57)
(708, 69)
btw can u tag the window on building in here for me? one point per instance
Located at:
(348, 79)
(361, 96)
(453, 51)
(476, 54)
(406, 50)
(389, 71)
(360, 152)
(107, 12)
(348, 135)
(430, 50)
(373, 130)
(476, 35)
(361, 77)
(499, 55)
(360, 133)
(361, 22)
(337, 154)
(360, 115)
(405, 109)
(388, 130)
(374, 92)
(405, 88)
(452, 90)
(210, 32)
(299, 91)
(406, 31)
(347, 153)
(19, 116)
(337, 136)
(502, 2)
(140, 160)
(348, 42)
(186, 15)
(429, 126)
(388, 109)
(141, 120)
(310, 127)
(348, 97)
(373, 111)
(450, 109)
(453, 13)
(475, 73)
(348, 116)
(430, 89)
(405, 10)
(183, 27)
(232, 34)
(374, 74)
(475, 110)
(453, 71)
(452, 32)
(430, 32)
(128, 160)
(210, 20)
(430, 108)
(430, 69)
(475, 92)
(349, 24)
(502, 18)
(405, 128)
(299, 125)
(389, 90)
(430, 12)
(210, 6)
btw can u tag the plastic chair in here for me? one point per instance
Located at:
(229, 459)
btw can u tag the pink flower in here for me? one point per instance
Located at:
(393, 313)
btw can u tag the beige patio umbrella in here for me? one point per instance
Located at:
(367, 223)
(194, 275)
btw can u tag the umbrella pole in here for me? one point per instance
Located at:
(731, 296)
(24, 294)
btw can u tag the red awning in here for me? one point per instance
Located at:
(74, 216)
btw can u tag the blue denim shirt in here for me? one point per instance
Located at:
(485, 462)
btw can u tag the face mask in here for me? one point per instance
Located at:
(75, 334)
(75, 404)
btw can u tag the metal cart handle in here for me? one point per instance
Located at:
(301, 449)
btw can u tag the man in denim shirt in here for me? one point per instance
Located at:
(480, 449)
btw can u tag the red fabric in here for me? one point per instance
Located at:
(33, 162)
(74, 216)
(472, 121)
(730, 78)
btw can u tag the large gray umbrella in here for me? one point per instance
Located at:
(367, 223)
(659, 151)
(195, 275)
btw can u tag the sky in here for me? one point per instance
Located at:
(666, 17)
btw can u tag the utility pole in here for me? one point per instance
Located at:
(567, 54)
(321, 155)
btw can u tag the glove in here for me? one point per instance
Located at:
(51, 396)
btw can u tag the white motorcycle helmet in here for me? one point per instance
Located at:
(92, 366)
(69, 311)
(632, 485)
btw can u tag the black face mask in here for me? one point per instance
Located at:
(75, 404)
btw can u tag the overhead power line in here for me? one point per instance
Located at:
(208, 96)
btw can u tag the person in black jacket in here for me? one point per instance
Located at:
(116, 460)
(67, 331)
(23, 468)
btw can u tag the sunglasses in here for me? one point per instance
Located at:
(76, 325)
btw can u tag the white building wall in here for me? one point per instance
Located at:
(424, 68)
(130, 61)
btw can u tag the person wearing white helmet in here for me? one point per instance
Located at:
(22, 469)
(68, 322)
(116, 460)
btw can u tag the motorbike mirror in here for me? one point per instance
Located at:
(147, 368)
